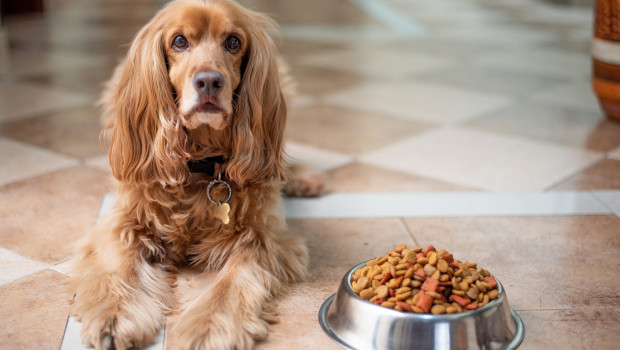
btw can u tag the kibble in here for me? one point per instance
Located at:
(424, 281)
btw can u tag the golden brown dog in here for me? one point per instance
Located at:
(200, 81)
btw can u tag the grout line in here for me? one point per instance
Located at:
(40, 265)
(574, 173)
(415, 241)
(597, 199)
(27, 275)
(596, 196)
(64, 333)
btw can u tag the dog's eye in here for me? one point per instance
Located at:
(179, 43)
(232, 44)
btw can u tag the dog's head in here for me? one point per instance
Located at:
(206, 65)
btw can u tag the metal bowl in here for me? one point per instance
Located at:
(358, 324)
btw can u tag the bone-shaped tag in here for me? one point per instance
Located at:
(221, 212)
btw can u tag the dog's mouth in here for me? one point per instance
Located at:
(210, 107)
(206, 112)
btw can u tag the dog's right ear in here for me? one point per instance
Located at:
(148, 140)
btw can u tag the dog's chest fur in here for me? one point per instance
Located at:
(179, 227)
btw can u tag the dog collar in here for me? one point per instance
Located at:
(206, 165)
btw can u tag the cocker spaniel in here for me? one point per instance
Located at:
(197, 115)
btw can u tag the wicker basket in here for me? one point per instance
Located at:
(606, 56)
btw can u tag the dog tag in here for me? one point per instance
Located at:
(221, 208)
(221, 213)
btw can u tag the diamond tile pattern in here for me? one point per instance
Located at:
(447, 99)
(502, 163)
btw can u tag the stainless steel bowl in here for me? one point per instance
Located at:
(358, 324)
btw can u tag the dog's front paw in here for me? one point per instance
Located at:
(116, 327)
(108, 333)
(218, 331)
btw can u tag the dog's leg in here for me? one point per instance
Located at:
(231, 314)
(120, 296)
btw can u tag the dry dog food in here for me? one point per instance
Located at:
(424, 281)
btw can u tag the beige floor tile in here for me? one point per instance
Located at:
(578, 95)
(543, 262)
(55, 62)
(42, 217)
(422, 102)
(320, 80)
(298, 332)
(34, 310)
(570, 16)
(381, 65)
(491, 79)
(604, 175)
(294, 50)
(429, 45)
(483, 160)
(336, 245)
(14, 266)
(74, 133)
(588, 328)
(609, 199)
(64, 267)
(4, 51)
(100, 162)
(19, 100)
(551, 63)
(463, 14)
(569, 127)
(20, 161)
(346, 131)
(312, 12)
(496, 34)
(615, 153)
(89, 81)
(358, 177)
(102, 29)
(314, 158)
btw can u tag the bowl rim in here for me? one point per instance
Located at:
(446, 317)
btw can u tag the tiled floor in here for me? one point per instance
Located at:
(467, 124)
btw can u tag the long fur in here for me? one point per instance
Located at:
(124, 270)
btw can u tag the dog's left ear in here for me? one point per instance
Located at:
(260, 116)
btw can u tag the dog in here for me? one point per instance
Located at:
(198, 112)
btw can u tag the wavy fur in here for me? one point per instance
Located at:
(124, 270)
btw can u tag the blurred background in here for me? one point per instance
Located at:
(446, 98)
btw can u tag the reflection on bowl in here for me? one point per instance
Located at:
(358, 324)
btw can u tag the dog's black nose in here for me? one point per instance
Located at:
(208, 83)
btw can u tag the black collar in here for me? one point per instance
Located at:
(206, 165)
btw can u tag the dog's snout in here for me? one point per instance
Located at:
(209, 83)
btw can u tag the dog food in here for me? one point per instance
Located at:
(424, 281)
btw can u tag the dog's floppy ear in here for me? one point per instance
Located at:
(148, 141)
(260, 116)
